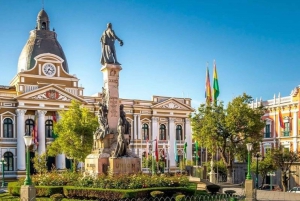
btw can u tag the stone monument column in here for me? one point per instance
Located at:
(111, 86)
(20, 141)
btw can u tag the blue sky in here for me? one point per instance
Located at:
(167, 43)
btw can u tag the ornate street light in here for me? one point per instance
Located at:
(249, 148)
(3, 163)
(28, 140)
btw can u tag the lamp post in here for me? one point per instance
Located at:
(257, 155)
(249, 148)
(27, 139)
(3, 163)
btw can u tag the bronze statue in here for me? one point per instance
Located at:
(108, 46)
(122, 144)
(125, 123)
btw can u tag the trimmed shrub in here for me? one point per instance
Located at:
(14, 188)
(157, 194)
(41, 191)
(179, 197)
(213, 188)
(56, 197)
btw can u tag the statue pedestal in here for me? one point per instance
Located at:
(96, 164)
(125, 165)
(249, 190)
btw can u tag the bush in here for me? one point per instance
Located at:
(56, 197)
(14, 188)
(179, 197)
(157, 194)
(41, 191)
(213, 188)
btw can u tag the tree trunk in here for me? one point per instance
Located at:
(283, 181)
(229, 175)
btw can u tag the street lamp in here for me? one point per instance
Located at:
(257, 155)
(28, 140)
(249, 148)
(3, 163)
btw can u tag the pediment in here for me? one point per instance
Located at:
(172, 104)
(50, 93)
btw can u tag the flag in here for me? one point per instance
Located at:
(156, 150)
(184, 148)
(54, 121)
(216, 83)
(35, 139)
(196, 150)
(207, 88)
(163, 151)
(175, 151)
(281, 120)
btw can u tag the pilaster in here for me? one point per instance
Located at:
(139, 136)
(295, 131)
(172, 136)
(188, 136)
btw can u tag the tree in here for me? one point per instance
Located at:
(265, 166)
(283, 159)
(40, 163)
(74, 132)
(228, 129)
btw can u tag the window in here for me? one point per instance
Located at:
(9, 159)
(162, 132)
(286, 131)
(267, 131)
(29, 127)
(179, 133)
(7, 128)
(145, 132)
(48, 128)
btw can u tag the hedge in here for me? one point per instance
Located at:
(41, 191)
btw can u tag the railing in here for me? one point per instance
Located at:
(286, 133)
(30, 88)
(7, 95)
(8, 139)
(72, 91)
(267, 135)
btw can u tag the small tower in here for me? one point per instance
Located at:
(42, 21)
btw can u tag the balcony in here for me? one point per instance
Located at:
(267, 135)
(286, 133)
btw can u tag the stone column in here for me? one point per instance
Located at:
(172, 135)
(134, 126)
(21, 164)
(139, 135)
(41, 131)
(60, 159)
(295, 131)
(111, 85)
(188, 136)
(154, 132)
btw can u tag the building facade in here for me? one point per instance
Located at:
(288, 136)
(43, 86)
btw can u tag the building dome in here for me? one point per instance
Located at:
(41, 40)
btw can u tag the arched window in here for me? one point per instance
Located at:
(29, 127)
(145, 132)
(179, 133)
(162, 132)
(8, 128)
(9, 159)
(48, 128)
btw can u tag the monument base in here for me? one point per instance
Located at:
(125, 165)
(27, 193)
(95, 164)
(249, 190)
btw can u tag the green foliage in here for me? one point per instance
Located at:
(228, 129)
(56, 197)
(157, 194)
(284, 159)
(265, 165)
(14, 188)
(41, 191)
(75, 132)
(179, 197)
(40, 163)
